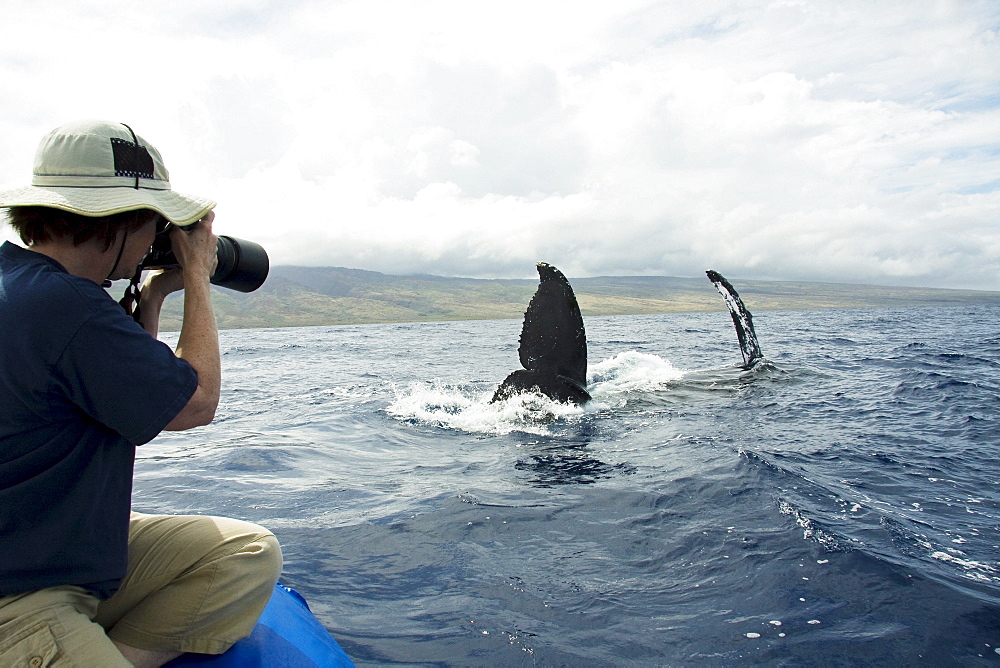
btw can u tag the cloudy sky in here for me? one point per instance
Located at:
(847, 141)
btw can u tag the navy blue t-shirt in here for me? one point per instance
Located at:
(81, 384)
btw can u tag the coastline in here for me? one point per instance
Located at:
(311, 296)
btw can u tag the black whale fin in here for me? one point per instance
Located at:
(741, 319)
(553, 348)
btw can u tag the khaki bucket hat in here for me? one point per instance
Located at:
(97, 168)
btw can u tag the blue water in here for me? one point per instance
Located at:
(839, 506)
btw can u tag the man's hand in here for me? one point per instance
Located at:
(196, 248)
(196, 252)
(160, 283)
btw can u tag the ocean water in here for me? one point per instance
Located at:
(837, 506)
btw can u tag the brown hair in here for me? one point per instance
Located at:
(36, 224)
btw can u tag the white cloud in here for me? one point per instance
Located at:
(845, 141)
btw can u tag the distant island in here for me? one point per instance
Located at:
(302, 296)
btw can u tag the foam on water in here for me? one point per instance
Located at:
(632, 371)
(469, 410)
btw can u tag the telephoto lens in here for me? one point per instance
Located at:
(242, 266)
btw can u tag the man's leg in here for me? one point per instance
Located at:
(194, 584)
(54, 627)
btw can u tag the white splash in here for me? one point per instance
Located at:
(632, 371)
(469, 410)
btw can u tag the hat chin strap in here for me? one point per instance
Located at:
(121, 249)
(129, 300)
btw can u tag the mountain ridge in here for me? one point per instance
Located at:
(296, 296)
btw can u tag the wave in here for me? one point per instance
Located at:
(844, 517)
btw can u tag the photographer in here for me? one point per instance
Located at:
(83, 580)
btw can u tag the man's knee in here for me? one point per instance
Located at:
(253, 547)
(263, 557)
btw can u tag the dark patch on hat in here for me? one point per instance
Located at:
(131, 159)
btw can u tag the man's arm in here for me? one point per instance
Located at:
(198, 343)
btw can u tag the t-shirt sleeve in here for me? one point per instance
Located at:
(124, 378)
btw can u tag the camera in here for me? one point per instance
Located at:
(242, 266)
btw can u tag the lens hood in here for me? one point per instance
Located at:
(243, 265)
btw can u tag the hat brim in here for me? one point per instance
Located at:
(179, 209)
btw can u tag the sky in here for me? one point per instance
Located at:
(798, 140)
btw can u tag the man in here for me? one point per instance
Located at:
(83, 581)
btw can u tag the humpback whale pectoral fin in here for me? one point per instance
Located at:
(742, 319)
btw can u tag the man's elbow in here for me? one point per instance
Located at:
(202, 418)
(199, 411)
(190, 420)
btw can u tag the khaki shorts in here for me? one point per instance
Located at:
(194, 584)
